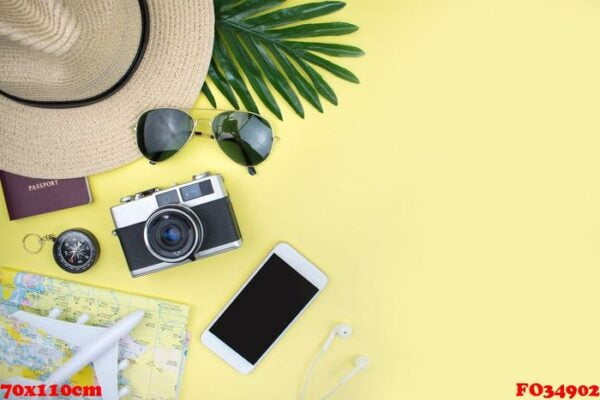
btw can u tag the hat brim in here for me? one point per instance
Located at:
(82, 141)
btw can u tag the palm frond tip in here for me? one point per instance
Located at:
(255, 44)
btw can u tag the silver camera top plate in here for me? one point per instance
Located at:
(140, 209)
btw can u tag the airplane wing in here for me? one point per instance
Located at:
(105, 368)
(92, 341)
(72, 333)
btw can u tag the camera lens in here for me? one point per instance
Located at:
(173, 233)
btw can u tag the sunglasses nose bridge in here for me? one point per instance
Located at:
(203, 128)
(203, 135)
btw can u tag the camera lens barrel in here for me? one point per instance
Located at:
(173, 233)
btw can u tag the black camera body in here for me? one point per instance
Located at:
(159, 229)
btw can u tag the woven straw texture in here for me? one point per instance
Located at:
(82, 141)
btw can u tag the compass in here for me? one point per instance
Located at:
(76, 250)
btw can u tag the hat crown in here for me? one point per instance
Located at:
(170, 41)
(46, 26)
(66, 50)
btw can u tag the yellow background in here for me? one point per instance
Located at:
(452, 198)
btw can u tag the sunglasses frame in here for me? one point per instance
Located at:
(194, 132)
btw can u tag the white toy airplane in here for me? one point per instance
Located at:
(97, 345)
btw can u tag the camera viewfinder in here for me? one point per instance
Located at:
(169, 197)
(196, 190)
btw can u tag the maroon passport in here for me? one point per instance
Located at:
(30, 196)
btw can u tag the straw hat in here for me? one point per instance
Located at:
(76, 74)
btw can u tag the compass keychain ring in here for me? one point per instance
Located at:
(74, 250)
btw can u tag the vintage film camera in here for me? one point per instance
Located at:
(159, 229)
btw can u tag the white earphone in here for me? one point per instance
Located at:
(341, 330)
(361, 362)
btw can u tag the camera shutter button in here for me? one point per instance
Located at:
(148, 192)
(200, 176)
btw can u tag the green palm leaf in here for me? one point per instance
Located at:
(290, 15)
(255, 47)
(222, 84)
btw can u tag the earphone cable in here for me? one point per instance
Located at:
(309, 371)
(332, 391)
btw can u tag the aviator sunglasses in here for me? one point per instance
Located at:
(245, 137)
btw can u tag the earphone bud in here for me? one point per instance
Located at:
(361, 363)
(341, 330)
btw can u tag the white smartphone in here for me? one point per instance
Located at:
(264, 308)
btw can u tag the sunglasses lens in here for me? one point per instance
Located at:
(245, 138)
(163, 132)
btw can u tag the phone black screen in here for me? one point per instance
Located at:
(263, 309)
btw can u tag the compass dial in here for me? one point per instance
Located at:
(76, 250)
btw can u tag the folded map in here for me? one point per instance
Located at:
(157, 348)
